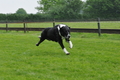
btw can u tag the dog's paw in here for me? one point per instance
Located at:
(67, 53)
(37, 45)
(71, 47)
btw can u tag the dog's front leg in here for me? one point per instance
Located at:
(70, 42)
(64, 49)
(71, 45)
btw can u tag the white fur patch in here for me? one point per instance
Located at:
(71, 45)
(65, 51)
(59, 31)
(62, 25)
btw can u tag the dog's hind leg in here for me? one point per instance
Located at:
(41, 40)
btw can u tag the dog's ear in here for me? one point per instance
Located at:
(69, 27)
(61, 28)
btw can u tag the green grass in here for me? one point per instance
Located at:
(91, 58)
(104, 24)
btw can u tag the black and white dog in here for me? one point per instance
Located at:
(56, 34)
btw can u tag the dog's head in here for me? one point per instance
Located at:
(64, 31)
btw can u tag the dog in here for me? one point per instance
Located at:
(57, 33)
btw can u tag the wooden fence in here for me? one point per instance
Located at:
(99, 31)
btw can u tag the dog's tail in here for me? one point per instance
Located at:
(39, 36)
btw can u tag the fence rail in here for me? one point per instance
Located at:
(114, 31)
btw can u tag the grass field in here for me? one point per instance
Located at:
(91, 58)
(104, 25)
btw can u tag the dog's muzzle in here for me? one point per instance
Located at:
(67, 37)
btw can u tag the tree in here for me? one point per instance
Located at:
(21, 11)
(102, 8)
(3, 16)
(60, 8)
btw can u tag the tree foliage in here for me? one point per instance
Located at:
(102, 8)
(68, 9)
(60, 8)
(21, 11)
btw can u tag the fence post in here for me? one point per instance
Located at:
(24, 26)
(53, 22)
(99, 30)
(6, 26)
